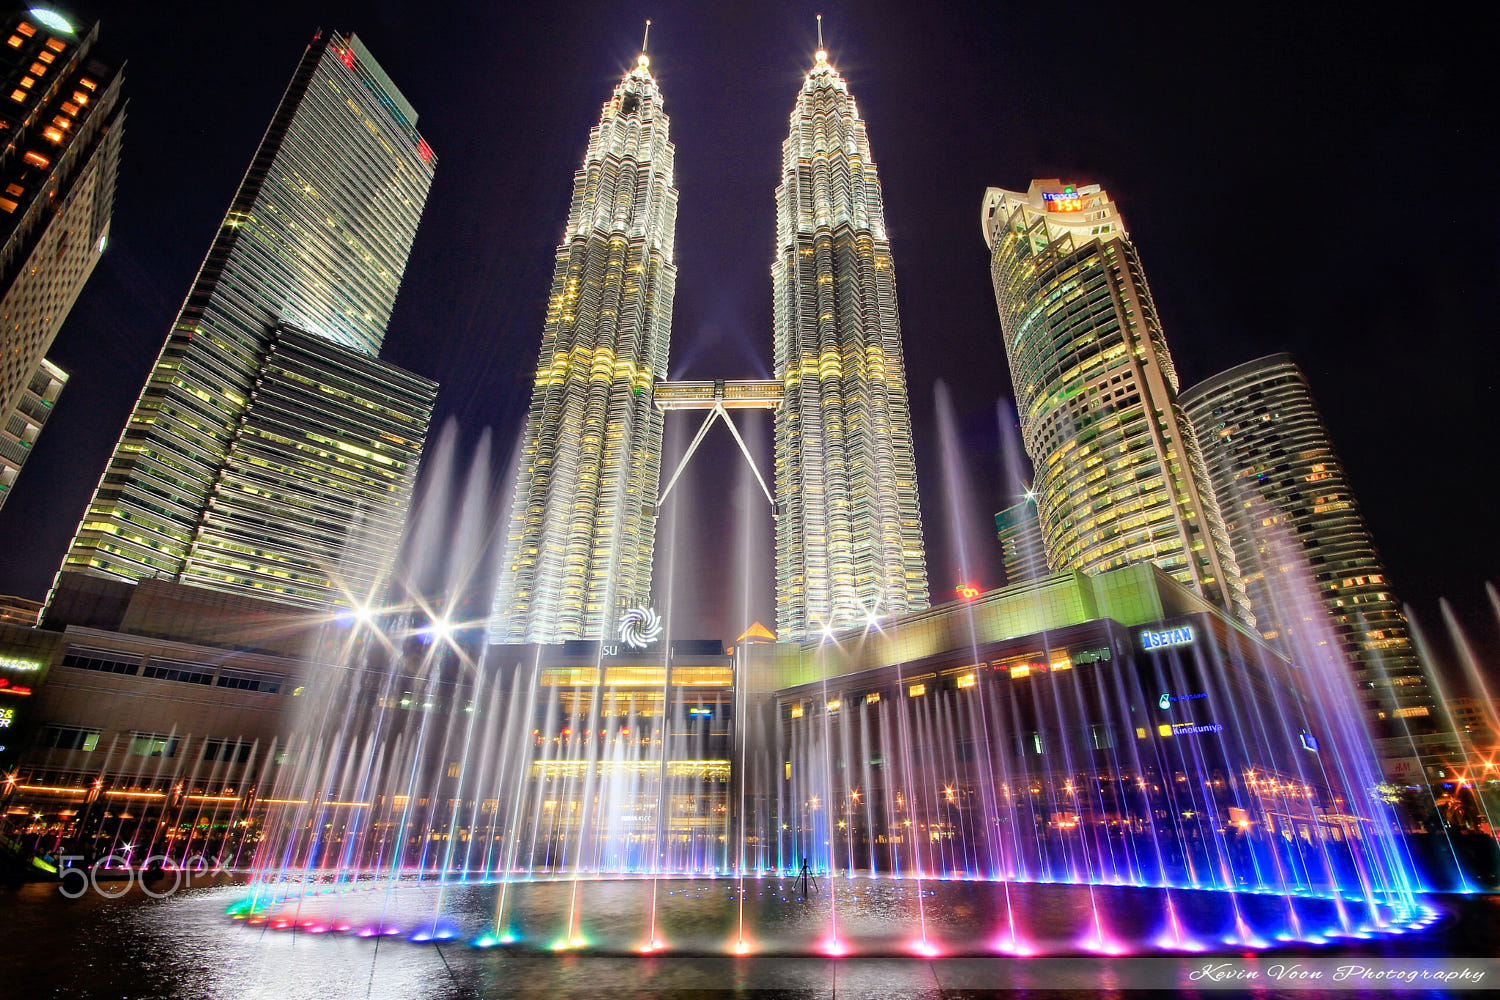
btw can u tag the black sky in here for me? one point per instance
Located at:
(1296, 178)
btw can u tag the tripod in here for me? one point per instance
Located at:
(808, 880)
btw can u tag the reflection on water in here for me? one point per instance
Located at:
(185, 947)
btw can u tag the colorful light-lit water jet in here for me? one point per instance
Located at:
(1110, 757)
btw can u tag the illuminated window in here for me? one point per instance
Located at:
(8, 205)
(14, 41)
(872, 697)
(569, 677)
(796, 713)
(80, 97)
(917, 690)
(62, 122)
(635, 676)
(835, 705)
(26, 82)
(56, 45)
(36, 159)
(703, 676)
(53, 135)
(153, 745)
(70, 738)
(87, 84)
(47, 58)
(15, 189)
(18, 95)
(25, 29)
(966, 681)
(37, 68)
(71, 109)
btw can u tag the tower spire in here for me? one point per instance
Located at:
(820, 30)
(647, 37)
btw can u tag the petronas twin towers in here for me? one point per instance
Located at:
(582, 525)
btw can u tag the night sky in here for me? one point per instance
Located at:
(1301, 179)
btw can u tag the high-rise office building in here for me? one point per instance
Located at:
(848, 524)
(583, 520)
(268, 433)
(1292, 518)
(61, 122)
(1023, 553)
(1119, 477)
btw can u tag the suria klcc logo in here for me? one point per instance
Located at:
(640, 627)
(1167, 637)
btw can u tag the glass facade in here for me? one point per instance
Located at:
(61, 122)
(1119, 478)
(1307, 555)
(583, 518)
(848, 522)
(318, 478)
(316, 238)
(1023, 553)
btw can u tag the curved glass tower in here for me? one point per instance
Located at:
(583, 516)
(848, 525)
(1119, 477)
(1283, 492)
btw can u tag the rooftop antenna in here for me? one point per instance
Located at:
(647, 36)
(820, 30)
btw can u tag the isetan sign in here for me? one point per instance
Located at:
(1167, 637)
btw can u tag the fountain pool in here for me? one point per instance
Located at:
(838, 916)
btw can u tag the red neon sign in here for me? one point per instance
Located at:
(967, 591)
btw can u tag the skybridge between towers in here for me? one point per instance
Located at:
(718, 398)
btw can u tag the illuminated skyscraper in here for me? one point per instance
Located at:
(1292, 517)
(848, 525)
(1119, 477)
(583, 520)
(268, 433)
(61, 119)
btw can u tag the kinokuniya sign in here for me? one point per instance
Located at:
(1164, 638)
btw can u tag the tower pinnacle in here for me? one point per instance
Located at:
(822, 54)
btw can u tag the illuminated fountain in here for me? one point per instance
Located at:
(1102, 764)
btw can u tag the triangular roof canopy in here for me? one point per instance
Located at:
(757, 633)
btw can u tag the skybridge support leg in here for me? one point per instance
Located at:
(717, 413)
